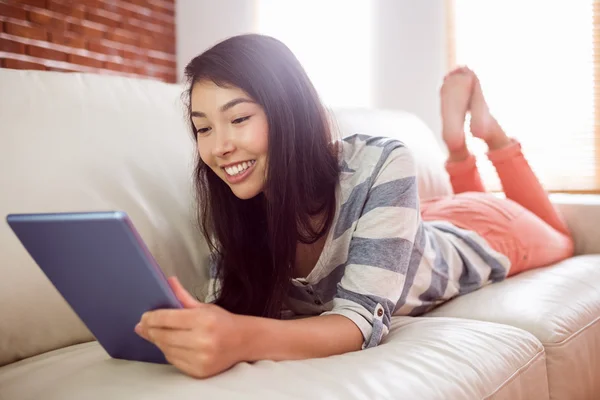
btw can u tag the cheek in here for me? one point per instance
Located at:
(262, 138)
(265, 142)
(204, 152)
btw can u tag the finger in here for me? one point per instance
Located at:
(183, 295)
(174, 338)
(169, 318)
(139, 329)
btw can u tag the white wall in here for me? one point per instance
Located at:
(409, 46)
(203, 23)
(410, 57)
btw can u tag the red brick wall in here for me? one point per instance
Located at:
(125, 37)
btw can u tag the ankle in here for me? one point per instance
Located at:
(498, 142)
(459, 155)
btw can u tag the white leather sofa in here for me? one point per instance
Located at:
(72, 142)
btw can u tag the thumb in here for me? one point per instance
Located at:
(186, 299)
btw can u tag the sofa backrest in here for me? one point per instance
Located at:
(73, 142)
(81, 142)
(433, 180)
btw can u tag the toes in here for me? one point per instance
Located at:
(470, 71)
(462, 70)
(457, 70)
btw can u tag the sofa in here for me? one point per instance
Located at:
(84, 142)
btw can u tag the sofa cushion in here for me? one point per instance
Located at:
(560, 305)
(76, 142)
(425, 358)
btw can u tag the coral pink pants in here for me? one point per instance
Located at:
(525, 226)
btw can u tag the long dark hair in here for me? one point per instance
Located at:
(253, 241)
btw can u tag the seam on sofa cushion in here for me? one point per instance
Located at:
(573, 335)
(518, 372)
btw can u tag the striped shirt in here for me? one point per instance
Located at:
(380, 258)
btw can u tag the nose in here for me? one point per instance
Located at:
(223, 144)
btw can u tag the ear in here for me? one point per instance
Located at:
(183, 295)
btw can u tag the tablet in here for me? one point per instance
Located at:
(102, 268)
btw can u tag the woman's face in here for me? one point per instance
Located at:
(232, 135)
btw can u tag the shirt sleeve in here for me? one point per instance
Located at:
(382, 246)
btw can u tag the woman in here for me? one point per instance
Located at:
(304, 225)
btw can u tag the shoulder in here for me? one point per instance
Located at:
(364, 158)
(375, 171)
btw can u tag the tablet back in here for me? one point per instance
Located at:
(102, 268)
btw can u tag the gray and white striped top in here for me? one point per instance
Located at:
(380, 259)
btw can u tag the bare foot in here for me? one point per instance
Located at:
(455, 97)
(483, 125)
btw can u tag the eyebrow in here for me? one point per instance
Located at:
(224, 107)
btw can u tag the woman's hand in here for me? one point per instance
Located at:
(201, 340)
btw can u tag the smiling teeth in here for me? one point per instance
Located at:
(239, 168)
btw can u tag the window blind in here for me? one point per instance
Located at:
(539, 65)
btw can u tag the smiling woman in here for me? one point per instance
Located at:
(304, 224)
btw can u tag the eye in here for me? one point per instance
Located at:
(201, 131)
(240, 120)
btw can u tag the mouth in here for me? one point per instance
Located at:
(238, 172)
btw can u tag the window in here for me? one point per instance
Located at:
(326, 37)
(538, 64)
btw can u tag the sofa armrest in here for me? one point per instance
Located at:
(582, 214)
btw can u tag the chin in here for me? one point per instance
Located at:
(245, 193)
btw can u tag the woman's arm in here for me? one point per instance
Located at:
(203, 340)
(313, 337)
(387, 243)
